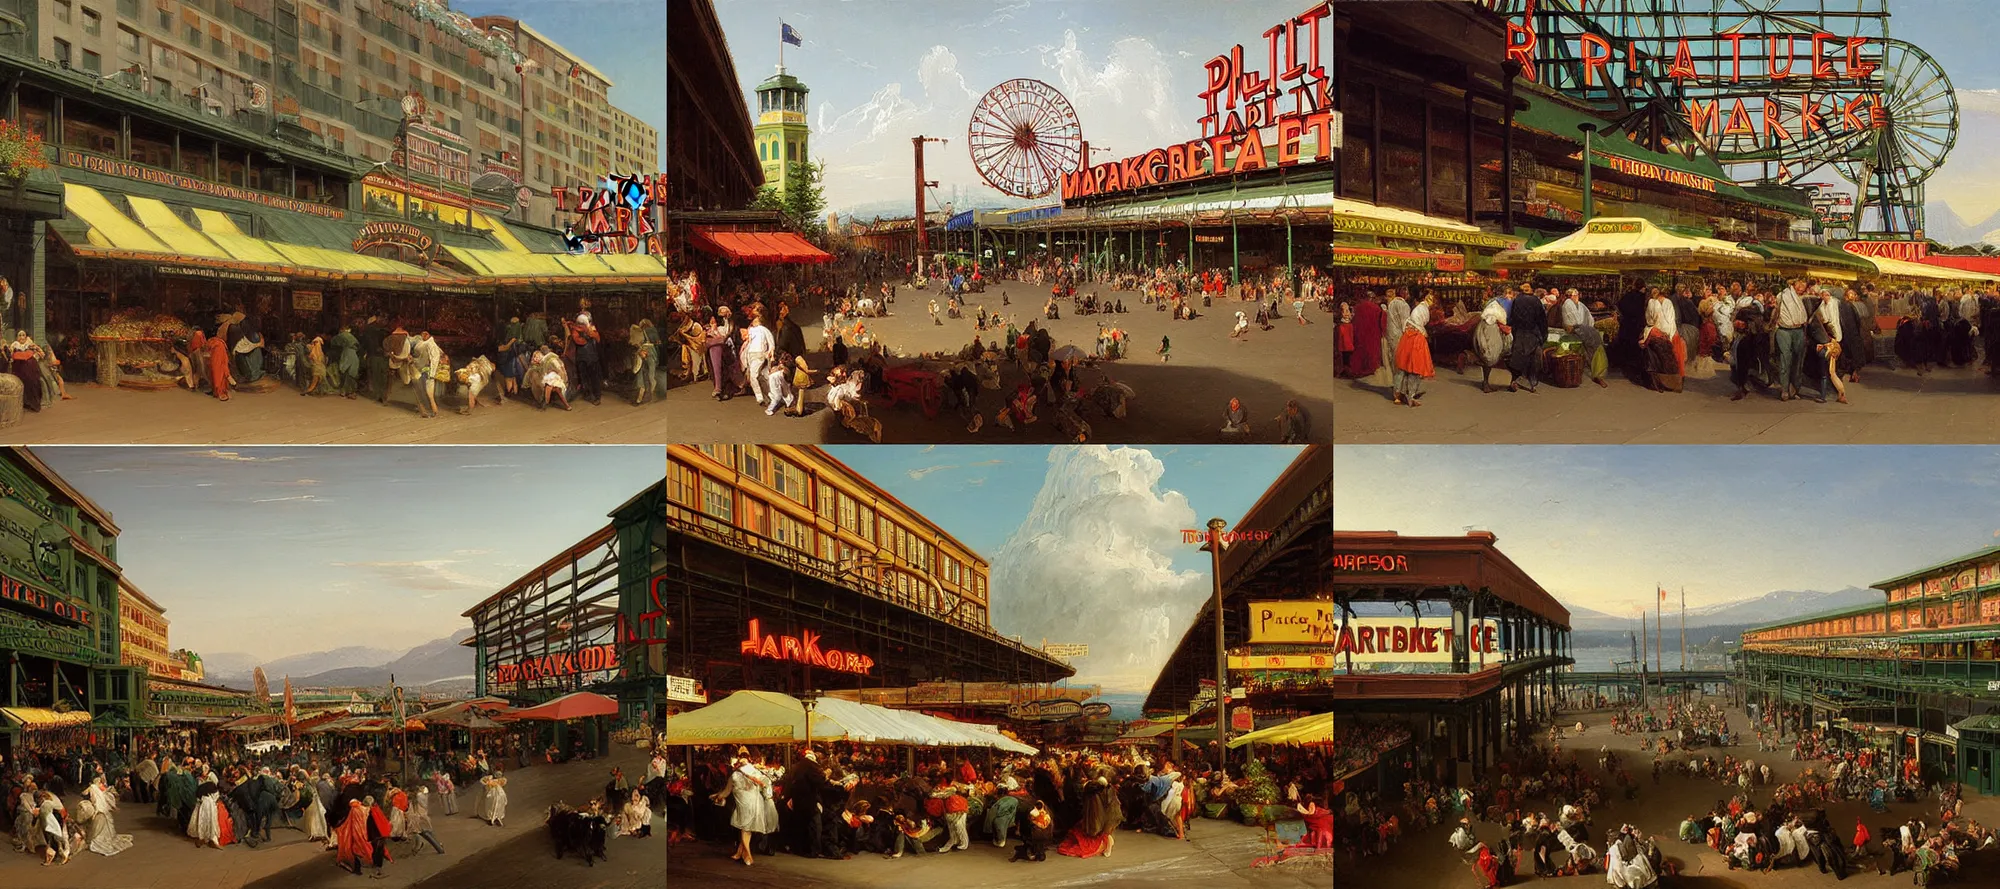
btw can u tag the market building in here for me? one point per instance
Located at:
(782, 132)
(59, 614)
(1277, 611)
(1448, 636)
(1251, 190)
(1917, 674)
(185, 181)
(788, 571)
(711, 152)
(590, 618)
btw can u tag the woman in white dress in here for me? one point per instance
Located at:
(755, 811)
(104, 837)
(205, 827)
(315, 813)
(493, 803)
(636, 818)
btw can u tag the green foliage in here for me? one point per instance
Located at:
(767, 199)
(805, 198)
(20, 151)
(1257, 788)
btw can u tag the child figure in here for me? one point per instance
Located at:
(1166, 350)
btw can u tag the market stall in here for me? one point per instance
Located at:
(1628, 242)
(1315, 729)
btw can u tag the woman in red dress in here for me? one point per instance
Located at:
(218, 367)
(225, 828)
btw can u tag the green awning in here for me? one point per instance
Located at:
(1985, 722)
(1948, 563)
(1932, 637)
(1809, 254)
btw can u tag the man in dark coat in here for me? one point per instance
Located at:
(375, 363)
(1853, 341)
(264, 800)
(804, 783)
(1631, 326)
(1530, 323)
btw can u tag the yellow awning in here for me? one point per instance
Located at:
(108, 227)
(1631, 242)
(42, 717)
(1304, 730)
(634, 263)
(500, 233)
(471, 258)
(223, 231)
(322, 259)
(178, 237)
(583, 264)
(1360, 217)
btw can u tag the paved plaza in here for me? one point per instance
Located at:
(1891, 405)
(1425, 858)
(101, 415)
(1177, 402)
(477, 856)
(1218, 856)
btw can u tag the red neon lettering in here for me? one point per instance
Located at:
(1822, 67)
(1249, 153)
(1400, 639)
(1520, 47)
(1847, 113)
(1595, 63)
(1771, 121)
(1310, 21)
(1702, 117)
(1739, 122)
(1809, 119)
(1683, 66)
(1736, 55)
(1785, 72)
(1367, 640)
(1857, 69)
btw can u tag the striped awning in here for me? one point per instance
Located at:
(34, 718)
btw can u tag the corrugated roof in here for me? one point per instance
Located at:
(1969, 557)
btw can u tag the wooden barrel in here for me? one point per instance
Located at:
(107, 362)
(10, 399)
(1564, 371)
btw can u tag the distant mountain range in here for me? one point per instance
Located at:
(439, 664)
(1771, 606)
(1942, 225)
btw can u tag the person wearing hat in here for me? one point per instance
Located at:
(999, 817)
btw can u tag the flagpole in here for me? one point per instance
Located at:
(781, 44)
(1659, 661)
(1642, 655)
(1684, 628)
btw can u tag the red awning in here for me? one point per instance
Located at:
(758, 248)
(571, 706)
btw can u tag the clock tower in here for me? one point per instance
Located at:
(781, 127)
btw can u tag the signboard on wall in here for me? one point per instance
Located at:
(1406, 640)
(687, 689)
(127, 170)
(307, 301)
(596, 661)
(1302, 623)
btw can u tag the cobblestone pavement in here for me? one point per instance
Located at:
(478, 856)
(1890, 405)
(1219, 856)
(101, 415)
(1179, 401)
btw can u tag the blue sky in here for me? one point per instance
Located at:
(1599, 526)
(280, 551)
(1084, 542)
(981, 494)
(622, 38)
(883, 71)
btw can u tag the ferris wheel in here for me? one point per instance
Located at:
(1023, 136)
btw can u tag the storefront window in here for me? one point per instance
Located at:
(273, 177)
(91, 129)
(152, 145)
(1357, 161)
(1402, 151)
(37, 112)
(196, 159)
(1448, 175)
(232, 171)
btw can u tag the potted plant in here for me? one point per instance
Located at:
(1257, 794)
(20, 154)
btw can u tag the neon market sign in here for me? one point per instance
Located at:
(1822, 85)
(1233, 85)
(596, 658)
(1907, 251)
(42, 604)
(1225, 154)
(1247, 112)
(1371, 563)
(804, 648)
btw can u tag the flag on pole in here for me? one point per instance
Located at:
(291, 710)
(576, 70)
(790, 35)
(1663, 593)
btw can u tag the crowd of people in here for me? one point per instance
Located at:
(228, 796)
(749, 341)
(1785, 338)
(846, 800)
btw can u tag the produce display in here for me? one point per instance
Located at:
(136, 349)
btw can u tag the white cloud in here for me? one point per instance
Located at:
(302, 498)
(918, 474)
(1092, 563)
(423, 574)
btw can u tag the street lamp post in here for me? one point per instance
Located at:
(810, 698)
(1214, 548)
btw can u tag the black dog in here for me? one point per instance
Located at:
(579, 832)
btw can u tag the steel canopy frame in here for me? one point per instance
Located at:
(1887, 161)
(567, 604)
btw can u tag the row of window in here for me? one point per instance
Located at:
(718, 500)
